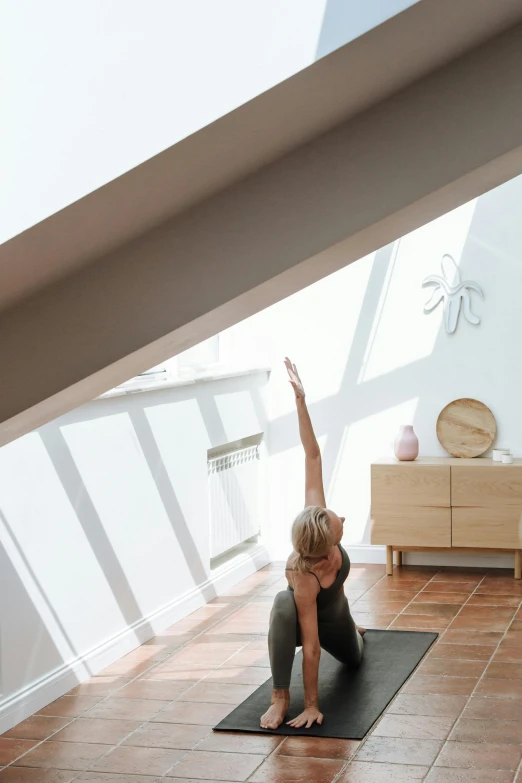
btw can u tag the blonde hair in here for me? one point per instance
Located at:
(311, 536)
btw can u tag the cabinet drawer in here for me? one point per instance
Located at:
(499, 485)
(487, 527)
(411, 526)
(411, 484)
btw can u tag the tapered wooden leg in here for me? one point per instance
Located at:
(518, 563)
(389, 561)
(399, 557)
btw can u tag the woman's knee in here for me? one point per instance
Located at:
(348, 649)
(360, 648)
(357, 650)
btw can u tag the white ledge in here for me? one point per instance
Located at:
(140, 384)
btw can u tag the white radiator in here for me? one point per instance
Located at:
(234, 499)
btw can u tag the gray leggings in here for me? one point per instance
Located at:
(338, 635)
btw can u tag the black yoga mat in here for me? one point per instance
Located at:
(350, 700)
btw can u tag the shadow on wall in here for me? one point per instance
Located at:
(352, 402)
(417, 362)
(27, 634)
(345, 20)
(105, 522)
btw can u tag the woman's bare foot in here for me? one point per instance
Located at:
(362, 631)
(275, 714)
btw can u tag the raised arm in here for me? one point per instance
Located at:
(314, 490)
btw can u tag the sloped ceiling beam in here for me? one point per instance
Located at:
(435, 144)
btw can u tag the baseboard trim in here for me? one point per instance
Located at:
(377, 555)
(366, 554)
(47, 689)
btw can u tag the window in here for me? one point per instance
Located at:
(200, 358)
(193, 362)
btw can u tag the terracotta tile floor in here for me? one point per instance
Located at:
(150, 716)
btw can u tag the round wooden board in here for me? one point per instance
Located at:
(466, 428)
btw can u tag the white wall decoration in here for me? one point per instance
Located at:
(453, 292)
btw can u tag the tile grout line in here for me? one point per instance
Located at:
(364, 740)
(443, 743)
(448, 738)
(265, 757)
(348, 761)
(389, 628)
(167, 703)
(398, 693)
(370, 733)
(274, 751)
(255, 594)
(468, 698)
(385, 576)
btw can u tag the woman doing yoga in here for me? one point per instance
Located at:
(313, 612)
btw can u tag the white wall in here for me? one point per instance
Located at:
(104, 531)
(94, 88)
(371, 360)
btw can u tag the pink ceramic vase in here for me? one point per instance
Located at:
(406, 444)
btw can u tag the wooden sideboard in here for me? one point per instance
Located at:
(442, 504)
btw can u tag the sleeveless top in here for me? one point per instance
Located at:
(327, 595)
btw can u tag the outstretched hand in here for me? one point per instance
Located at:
(294, 379)
(306, 719)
